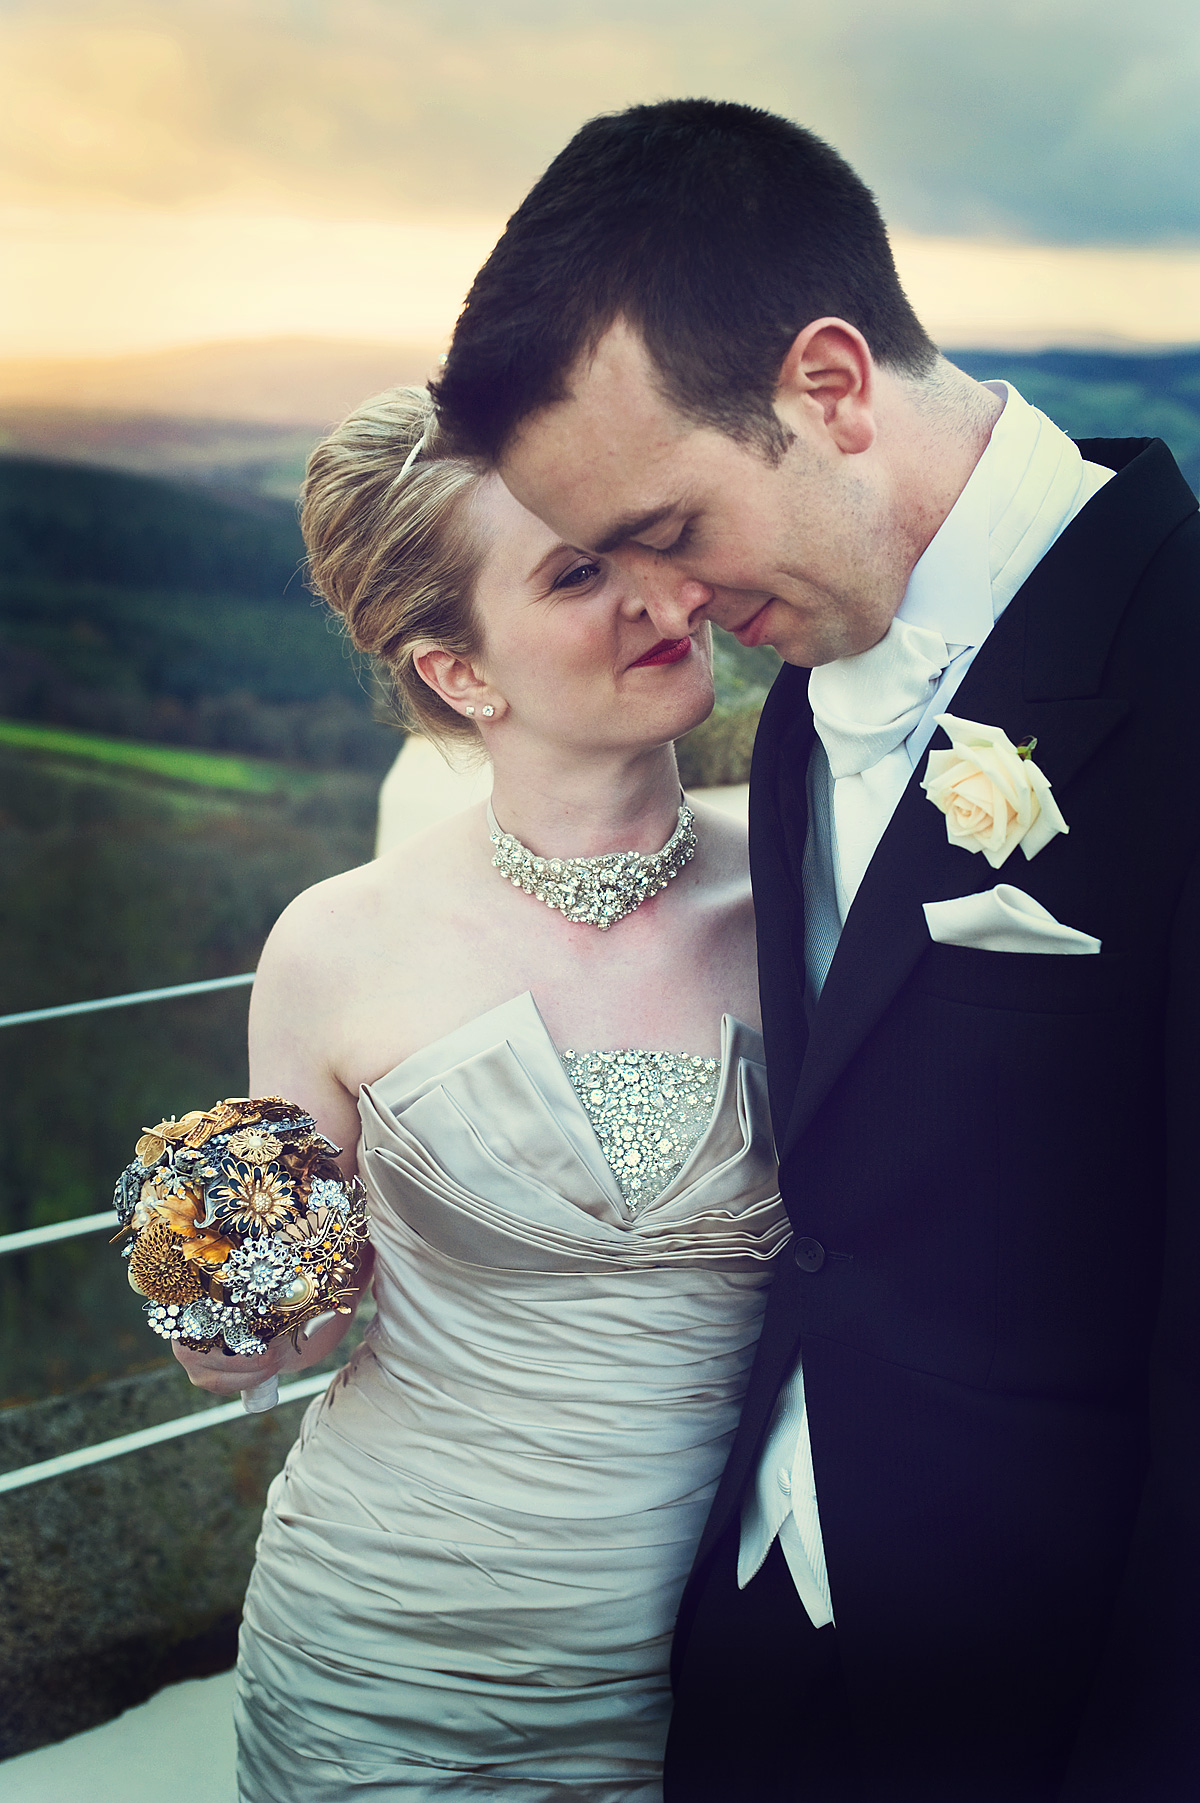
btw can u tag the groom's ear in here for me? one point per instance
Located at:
(827, 386)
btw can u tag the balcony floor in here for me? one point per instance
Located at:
(186, 1728)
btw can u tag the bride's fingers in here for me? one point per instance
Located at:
(226, 1374)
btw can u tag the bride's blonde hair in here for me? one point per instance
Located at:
(390, 546)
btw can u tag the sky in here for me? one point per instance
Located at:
(176, 171)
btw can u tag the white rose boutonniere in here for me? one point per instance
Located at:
(992, 793)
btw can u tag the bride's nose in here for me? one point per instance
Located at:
(675, 603)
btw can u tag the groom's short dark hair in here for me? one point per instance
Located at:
(717, 231)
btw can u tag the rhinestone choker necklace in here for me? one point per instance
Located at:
(594, 891)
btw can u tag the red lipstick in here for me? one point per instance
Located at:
(667, 651)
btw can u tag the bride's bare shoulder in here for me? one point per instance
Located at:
(335, 927)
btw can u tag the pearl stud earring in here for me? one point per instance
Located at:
(488, 711)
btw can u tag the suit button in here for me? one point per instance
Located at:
(810, 1254)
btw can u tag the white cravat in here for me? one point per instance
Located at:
(874, 714)
(865, 709)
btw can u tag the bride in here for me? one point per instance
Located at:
(547, 1060)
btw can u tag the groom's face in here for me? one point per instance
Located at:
(790, 553)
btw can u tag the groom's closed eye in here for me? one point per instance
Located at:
(631, 530)
(680, 543)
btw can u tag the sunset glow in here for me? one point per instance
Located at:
(101, 282)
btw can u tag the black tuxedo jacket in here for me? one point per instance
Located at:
(992, 1167)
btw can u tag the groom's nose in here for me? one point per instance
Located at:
(675, 602)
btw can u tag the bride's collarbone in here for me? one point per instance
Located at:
(658, 982)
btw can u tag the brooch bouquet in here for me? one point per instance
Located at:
(239, 1226)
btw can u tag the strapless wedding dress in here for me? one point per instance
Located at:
(470, 1565)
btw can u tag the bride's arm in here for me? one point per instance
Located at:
(292, 1024)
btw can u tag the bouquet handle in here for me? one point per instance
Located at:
(261, 1397)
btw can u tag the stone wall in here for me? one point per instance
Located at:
(128, 1575)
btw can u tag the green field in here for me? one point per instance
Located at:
(205, 769)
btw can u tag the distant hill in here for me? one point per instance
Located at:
(236, 457)
(1107, 394)
(237, 416)
(76, 524)
(156, 611)
(242, 418)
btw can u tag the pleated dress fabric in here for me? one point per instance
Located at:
(470, 1564)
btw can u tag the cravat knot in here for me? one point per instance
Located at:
(866, 706)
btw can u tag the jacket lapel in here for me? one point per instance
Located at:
(885, 932)
(778, 827)
(1037, 674)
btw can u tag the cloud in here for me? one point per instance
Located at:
(1071, 120)
(1061, 120)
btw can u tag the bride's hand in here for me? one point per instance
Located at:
(228, 1374)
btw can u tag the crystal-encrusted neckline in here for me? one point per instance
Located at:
(648, 1110)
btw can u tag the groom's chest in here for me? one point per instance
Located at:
(974, 1130)
(960, 1005)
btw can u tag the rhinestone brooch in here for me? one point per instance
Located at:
(600, 891)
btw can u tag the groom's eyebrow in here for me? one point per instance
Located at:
(632, 527)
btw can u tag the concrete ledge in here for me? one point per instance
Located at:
(184, 1733)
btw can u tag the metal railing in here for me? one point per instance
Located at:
(58, 1230)
(152, 1436)
(66, 1230)
(96, 1223)
(132, 1000)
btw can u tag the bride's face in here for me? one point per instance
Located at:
(568, 644)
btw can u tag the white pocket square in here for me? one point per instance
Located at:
(1004, 919)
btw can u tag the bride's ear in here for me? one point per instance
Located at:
(459, 684)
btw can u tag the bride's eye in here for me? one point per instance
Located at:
(579, 575)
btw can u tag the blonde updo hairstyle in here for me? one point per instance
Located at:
(391, 549)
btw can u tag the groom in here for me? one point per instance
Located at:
(955, 1556)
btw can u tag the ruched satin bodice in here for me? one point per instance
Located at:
(470, 1565)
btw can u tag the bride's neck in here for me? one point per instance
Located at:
(580, 808)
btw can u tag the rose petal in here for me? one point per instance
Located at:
(1000, 771)
(938, 763)
(1050, 820)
